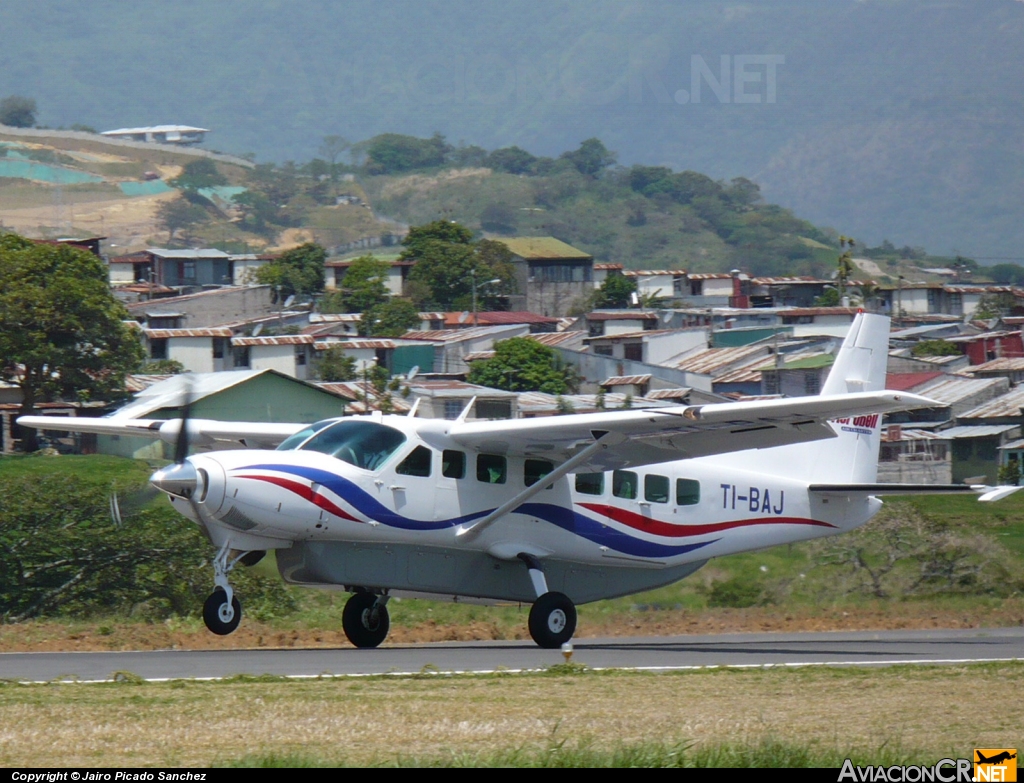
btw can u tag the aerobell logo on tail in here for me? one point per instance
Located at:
(995, 764)
(862, 425)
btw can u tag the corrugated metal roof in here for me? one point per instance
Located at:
(358, 345)
(542, 248)
(905, 381)
(632, 335)
(164, 334)
(136, 383)
(794, 312)
(654, 272)
(157, 129)
(541, 403)
(476, 356)
(283, 339)
(622, 316)
(607, 266)
(627, 380)
(951, 389)
(163, 252)
(497, 317)
(978, 431)
(557, 338)
(457, 335)
(712, 276)
(1006, 364)
(668, 394)
(715, 361)
(1009, 404)
(332, 318)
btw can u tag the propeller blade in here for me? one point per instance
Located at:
(126, 506)
(181, 444)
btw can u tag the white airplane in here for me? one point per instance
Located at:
(554, 511)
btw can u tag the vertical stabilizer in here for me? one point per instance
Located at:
(859, 367)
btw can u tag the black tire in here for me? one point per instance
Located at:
(552, 620)
(221, 622)
(359, 624)
(252, 558)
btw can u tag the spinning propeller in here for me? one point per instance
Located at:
(179, 479)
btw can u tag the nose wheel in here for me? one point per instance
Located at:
(222, 615)
(365, 619)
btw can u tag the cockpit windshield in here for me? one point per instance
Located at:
(365, 444)
(293, 441)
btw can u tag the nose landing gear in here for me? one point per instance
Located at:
(222, 612)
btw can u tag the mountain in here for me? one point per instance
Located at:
(893, 119)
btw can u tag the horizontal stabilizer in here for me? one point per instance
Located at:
(988, 494)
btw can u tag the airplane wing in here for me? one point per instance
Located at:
(202, 432)
(644, 437)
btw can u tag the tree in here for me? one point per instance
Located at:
(62, 332)
(615, 291)
(591, 158)
(363, 286)
(334, 365)
(178, 214)
(522, 364)
(299, 272)
(935, 348)
(198, 174)
(392, 318)
(332, 149)
(18, 111)
(447, 260)
(390, 153)
(511, 159)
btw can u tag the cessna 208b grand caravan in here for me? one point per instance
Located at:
(554, 512)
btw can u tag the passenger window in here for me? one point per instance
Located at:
(687, 492)
(656, 489)
(416, 464)
(453, 464)
(590, 483)
(491, 469)
(624, 484)
(536, 469)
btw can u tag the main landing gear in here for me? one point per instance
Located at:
(222, 612)
(553, 615)
(366, 620)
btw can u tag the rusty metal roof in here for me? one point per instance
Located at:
(715, 361)
(557, 338)
(164, 334)
(494, 318)
(1005, 364)
(477, 356)
(711, 276)
(627, 380)
(622, 316)
(1009, 404)
(652, 272)
(607, 266)
(633, 335)
(283, 339)
(358, 345)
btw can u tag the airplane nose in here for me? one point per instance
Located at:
(180, 480)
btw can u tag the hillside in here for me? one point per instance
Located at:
(890, 119)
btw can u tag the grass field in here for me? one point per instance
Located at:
(565, 717)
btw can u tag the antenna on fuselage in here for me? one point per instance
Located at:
(415, 407)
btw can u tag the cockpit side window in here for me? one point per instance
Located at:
(365, 444)
(293, 441)
(416, 464)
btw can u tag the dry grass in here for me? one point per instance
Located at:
(938, 711)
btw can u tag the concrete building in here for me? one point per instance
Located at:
(552, 275)
(655, 346)
(288, 354)
(446, 399)
(398, 272)
(197, 350)
(181, 135)
(209, 309)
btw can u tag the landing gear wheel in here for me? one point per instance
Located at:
(364, 626)
(221, 617)
(552, 620)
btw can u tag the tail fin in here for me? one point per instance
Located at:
(852, 457)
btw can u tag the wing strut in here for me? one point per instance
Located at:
(605, 440)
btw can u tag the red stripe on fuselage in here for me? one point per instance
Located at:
(306, 493)
(672, 530)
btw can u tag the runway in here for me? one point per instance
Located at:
(882, 648)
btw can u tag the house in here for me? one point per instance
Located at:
(446, 399)
(551, 275)
(796, 375)
(254, 395)
(181, 135)
(197, 350)
(603, 271)
(398, 272)
(659, 283)
(602, 323)
(451, 346)
(655, 346)
(536, 323)
(236, 306)
(398, 356)
(288, 354)
(186, 268)
(711, 289)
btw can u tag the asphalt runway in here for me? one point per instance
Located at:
(879, 648)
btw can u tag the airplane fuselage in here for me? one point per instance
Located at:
(399, 524)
